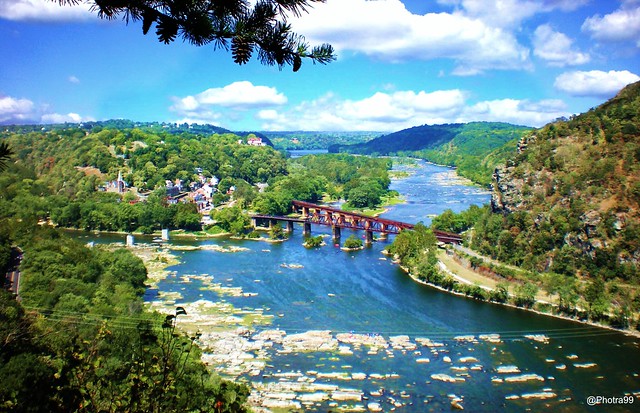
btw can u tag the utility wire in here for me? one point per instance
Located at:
(133, 323)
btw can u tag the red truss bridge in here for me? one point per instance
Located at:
(338, 219)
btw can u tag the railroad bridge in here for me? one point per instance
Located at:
(338, 219)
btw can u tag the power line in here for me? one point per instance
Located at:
(134, 323)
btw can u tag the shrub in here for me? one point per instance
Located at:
(353, 242)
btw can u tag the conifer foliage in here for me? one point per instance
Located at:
(247, 29)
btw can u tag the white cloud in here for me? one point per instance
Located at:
(267, 114)
(510, 13)
(520, 112)
(386, 30)
(555, 48)
(43, 10)
(229, 102)
(73, 79)
(24, 111)
(58, 118)
(14, 110)
(239, 95)
(404, 109)
(594, 83)
(623, 24)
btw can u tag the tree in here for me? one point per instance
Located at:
(595, 295)
(353, 242)
(525, 295)
(500, 294)
(236, 24)
(277, 233)
(5, 154)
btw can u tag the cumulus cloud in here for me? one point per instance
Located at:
(521, 112)
(43, 10)
(24, 111)
(58, 118)
(14, 110)
(595, 83)
(73, 79)
(556, 48)
(620, 25)
(403, 109)
(214, 103)
(386, 30)
(510, 13)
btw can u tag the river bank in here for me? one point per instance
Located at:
(489, 284)
(347, 370)
(294, 323)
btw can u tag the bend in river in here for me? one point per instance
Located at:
(335, 330)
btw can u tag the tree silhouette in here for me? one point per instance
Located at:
(5, 155)
(230, 24)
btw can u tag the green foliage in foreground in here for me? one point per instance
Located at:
(81, 341)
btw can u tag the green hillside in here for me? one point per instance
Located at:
(475, 148)
(566, 207)
(576, 186)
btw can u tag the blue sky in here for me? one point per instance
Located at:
(400, 64)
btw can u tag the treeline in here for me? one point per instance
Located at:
(598, 287)
(361, 181)
(416, 251)
(27, 197)
(56, 176)
(594, 299)
(477, 149)
(146, 159)
(301, 140)
(80, 339)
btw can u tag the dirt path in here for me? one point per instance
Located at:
(468, 276)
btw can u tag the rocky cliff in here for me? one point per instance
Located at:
(579, 181)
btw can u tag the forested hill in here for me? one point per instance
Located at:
(129, 125)
(468, 146)
(570, 197)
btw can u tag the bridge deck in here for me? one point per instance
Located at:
(279, 218)
(337, 218)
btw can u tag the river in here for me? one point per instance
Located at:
(536, 362)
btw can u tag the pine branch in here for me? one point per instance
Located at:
(247, 28)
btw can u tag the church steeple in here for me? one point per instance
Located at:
(120, 184)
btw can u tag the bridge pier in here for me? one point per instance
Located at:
(336, 234)
(307, 229)
(368, 239)
(289, 227)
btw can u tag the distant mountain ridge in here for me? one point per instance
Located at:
(475, 148)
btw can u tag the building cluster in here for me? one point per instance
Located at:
(253, 141)
(200, 191)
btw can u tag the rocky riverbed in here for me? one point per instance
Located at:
(320, 370)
